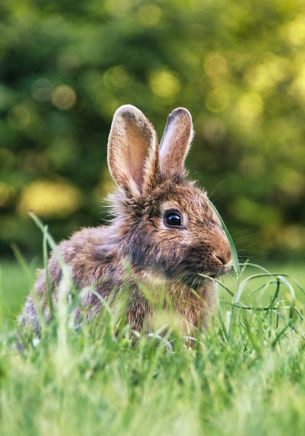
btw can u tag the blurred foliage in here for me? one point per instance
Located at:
(238, 66)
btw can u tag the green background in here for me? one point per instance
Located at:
(239, 67)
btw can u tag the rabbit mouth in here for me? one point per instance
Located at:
(196, 277)
(220, 271)
(199, 278)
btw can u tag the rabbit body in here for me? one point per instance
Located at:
(164, 227)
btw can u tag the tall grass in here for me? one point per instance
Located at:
(244, 376)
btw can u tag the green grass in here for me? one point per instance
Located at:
(246, 376)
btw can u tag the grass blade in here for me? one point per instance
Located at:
(230, 239)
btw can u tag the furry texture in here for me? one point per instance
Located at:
(151, 180)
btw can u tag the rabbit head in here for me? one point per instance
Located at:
(168, 224)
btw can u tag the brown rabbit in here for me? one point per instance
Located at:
(163, 225)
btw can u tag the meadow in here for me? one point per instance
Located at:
(244, 376)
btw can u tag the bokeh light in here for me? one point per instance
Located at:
(238, 67)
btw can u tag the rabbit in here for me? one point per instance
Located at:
(163, 225)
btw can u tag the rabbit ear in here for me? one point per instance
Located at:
(132, 146)
(176, 141)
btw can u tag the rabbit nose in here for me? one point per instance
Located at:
(224, 258)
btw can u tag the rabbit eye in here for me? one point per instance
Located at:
(173, 218)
